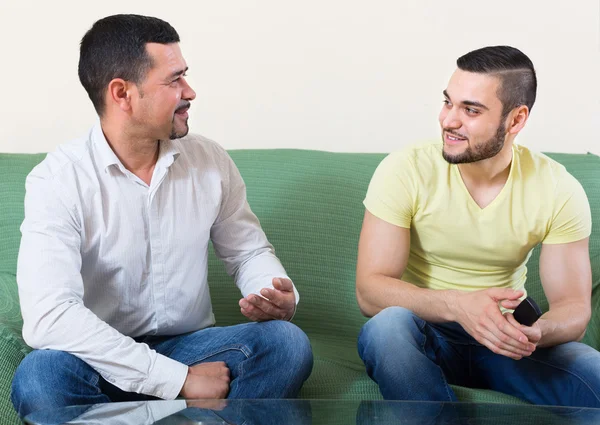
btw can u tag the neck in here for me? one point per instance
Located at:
(489, 171)
(137, 154)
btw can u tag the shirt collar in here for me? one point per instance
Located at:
(167, 155)
(106, 155)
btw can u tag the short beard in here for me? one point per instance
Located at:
(175, 135)
(487, 150)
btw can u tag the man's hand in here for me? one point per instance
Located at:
(533, 332)
(277, 304)
(480, 316)
(206, 380)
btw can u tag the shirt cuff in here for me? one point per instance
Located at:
(294, 313)
(166, 378)
(296, 297)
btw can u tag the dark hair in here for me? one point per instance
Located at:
(518, 83)
(115, 47)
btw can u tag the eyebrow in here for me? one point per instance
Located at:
(178, 73)
(469, 102)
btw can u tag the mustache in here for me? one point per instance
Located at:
(454, 133)
(182, 106)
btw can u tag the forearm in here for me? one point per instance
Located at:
(377, 292)
(72, 328)
(564, 323)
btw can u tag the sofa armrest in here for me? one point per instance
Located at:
(12, 351)
(10, 310)
(12, 347)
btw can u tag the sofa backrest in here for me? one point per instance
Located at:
(310, 205)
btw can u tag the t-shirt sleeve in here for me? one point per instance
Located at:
(571, 218)
(391, 195)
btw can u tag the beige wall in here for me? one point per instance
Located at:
(336, 75)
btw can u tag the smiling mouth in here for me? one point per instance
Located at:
(453, 138)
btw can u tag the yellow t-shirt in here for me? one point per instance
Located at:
(455, 244)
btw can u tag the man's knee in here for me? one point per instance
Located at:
(392, 322)
(583, 364)
(42, 378)
(288, 343)
(286, 346)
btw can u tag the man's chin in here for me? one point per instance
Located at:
(455, 157)
(179, 133)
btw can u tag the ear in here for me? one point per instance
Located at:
(517, 119)
(119, 94)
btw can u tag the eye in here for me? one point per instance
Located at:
(176, 80)
(471, 111)
(447, 102)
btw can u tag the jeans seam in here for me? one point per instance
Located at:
(11, 396)
(238, 347)
(437, 365)
(568, 372)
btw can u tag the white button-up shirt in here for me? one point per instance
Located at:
(105, 258)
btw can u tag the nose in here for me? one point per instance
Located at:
(188, 92)
(449, 118)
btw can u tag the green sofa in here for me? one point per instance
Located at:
(310, 206)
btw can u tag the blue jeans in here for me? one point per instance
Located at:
(411, 359)
(266, 360)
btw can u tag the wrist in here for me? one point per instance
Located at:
(182, 391)
(546, 328)
(452, 308)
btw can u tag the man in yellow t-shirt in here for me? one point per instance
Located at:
(447, 232)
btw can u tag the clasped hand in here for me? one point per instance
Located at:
(480, 315)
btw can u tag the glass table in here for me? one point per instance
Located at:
(305, 412)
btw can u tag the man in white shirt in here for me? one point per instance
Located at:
(112, 269)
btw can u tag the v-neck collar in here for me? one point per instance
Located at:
(499, 196)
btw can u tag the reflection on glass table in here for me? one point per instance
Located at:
(304, 412)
